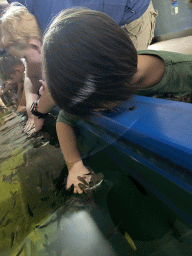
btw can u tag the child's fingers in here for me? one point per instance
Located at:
(29, 125)
(82, 186)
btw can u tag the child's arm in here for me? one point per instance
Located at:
(72, 156)
(45, 105)
(21, 102)
(19, 93)
(31, 86)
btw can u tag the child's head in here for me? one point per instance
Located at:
(88, 62)
(11, 69)
(19, 30)
(3, 6)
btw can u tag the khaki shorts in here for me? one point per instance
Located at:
(141, 31)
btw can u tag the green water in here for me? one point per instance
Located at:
(27, 181)
(32, 198)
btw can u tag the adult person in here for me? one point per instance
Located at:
(136, 17)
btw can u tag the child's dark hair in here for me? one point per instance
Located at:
(88, 61)
(8, 63)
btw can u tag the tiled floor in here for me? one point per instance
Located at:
(182, 45)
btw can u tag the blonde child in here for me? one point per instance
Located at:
(12, 74)
(21, 36)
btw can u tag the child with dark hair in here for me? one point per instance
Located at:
(90, 64)
(12, 74)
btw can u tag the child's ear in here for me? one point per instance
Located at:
(18, 69)
(35, 44)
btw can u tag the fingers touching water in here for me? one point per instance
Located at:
(33, 125)
(77, 174)
(81, 180)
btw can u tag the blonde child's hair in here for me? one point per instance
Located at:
(18, 26)
(8, 64)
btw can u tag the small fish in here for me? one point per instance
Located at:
(83, 180)
(4, 177)
(130, 241)
(8, 221)
(13, 201)
(12, 238)
(41, 226)
(29, 210)
(46, 246)
(46, 237)
(3, 218)
(13, 193)
(139, 186)
(45, 225)
(20, 251)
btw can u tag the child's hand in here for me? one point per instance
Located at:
(78, 169)
(33, 125)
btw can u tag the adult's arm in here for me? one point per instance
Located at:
(3, 6)
(68, 144)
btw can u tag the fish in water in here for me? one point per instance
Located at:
(12, 238)
(20, 251)
(29, 210)
(3, 218)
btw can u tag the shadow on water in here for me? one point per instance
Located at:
(38, 217)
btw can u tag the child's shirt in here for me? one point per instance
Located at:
(177, 78)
